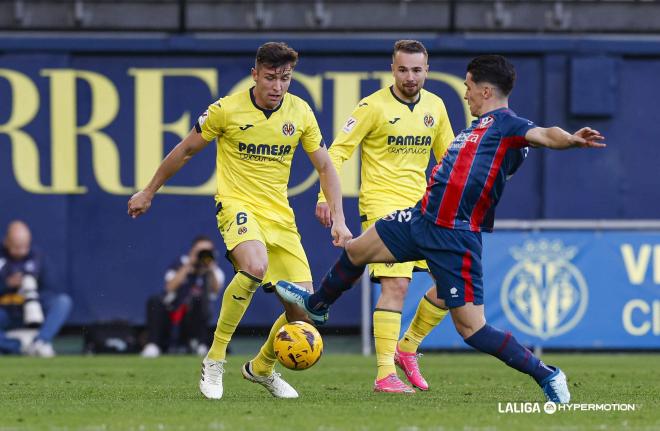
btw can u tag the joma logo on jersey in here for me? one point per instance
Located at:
(408, 140)
(263, 149)
(288, 129)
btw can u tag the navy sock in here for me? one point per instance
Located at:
(340, 278)
(506, 348)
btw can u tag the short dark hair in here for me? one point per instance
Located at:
(410, 47)
(276, 54)
(495, 70)
(200, 238)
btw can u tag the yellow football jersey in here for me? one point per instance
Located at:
(397, 139)
(255, 149)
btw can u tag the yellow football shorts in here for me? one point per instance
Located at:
(393, 270)
(286, 258)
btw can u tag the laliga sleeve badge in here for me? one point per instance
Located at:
(202, 118)
(350, 123)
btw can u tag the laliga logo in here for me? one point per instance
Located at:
(202, 118)
(544, 294)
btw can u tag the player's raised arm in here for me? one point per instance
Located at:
(557, 138)
(140, 202)
(332, 190)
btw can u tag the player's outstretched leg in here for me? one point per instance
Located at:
(506, 348)
(428, 316)
(340, 278)
(261, 368)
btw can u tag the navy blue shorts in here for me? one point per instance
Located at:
(453, 256)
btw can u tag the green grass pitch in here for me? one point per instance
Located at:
(467, 392)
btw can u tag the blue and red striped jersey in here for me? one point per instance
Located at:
(464, 188)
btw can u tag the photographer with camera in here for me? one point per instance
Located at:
(178, 319)
(26, 299)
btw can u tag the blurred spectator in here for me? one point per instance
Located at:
(26, 297)
(179, 318)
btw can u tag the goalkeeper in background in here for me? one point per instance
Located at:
(257, 132)
(398, 127)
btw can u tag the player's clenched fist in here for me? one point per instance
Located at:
(340, 234)
(139, 203)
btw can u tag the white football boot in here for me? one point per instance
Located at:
(210, 384)
(555, 387)
(40, 349)
(273, 383)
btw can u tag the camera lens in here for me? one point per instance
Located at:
(205, 256)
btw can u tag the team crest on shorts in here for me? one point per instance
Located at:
(429, 121)
(288, 129)
(242, 230)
